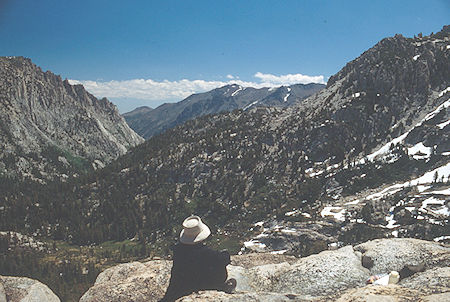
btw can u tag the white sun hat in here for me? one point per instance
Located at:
(194, 230)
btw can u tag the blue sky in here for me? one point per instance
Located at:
(149, 52)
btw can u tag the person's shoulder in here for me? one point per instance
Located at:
(180, 248)
(222, 256)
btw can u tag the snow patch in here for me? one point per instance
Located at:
(442, 125)
(385, 149)
(281, 252)
(356, 201)
(435, 205)
(259, 224)
(444, 91)
(419, 151)
(250, 105)
(411, 209)
(336, 212)
(237, 90)
(292, 213)
(388, 191)
(288, 231)
(442, 173)
(442, 238)
(253, 244)
(442, 192)
(391, 222)
(421, 188)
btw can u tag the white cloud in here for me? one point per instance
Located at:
(288, 79)
(148, 89)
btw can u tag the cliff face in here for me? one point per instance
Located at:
(47, 125)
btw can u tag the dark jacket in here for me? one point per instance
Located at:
(196, 267)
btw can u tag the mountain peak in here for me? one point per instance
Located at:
(138, 110)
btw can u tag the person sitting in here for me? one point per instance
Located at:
(195, 266)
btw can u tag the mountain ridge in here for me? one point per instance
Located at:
(226, 98)
(41, 113)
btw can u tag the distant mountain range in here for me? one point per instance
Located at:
(148, 122)
(49, 128)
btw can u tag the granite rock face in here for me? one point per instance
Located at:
(329, 275)
(434, 280)
(394, 254)
(372, 293)
(39, 111)
(324, 273)
(375, 293)
(131, 282)
(21, 289)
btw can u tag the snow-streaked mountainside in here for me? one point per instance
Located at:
(150, 122)
(380, 127)
(49, 128)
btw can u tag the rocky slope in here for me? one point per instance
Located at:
(228, 98)
(337, 275)
(48, 126)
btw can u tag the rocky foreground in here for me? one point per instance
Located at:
(337, 275)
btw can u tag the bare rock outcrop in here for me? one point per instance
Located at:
(134, 281)
(324, 273)
(21, 289)
(376, 293)
(336, 274)
(393, 254)
(371, 293)
(434, 280)
(262, 277)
